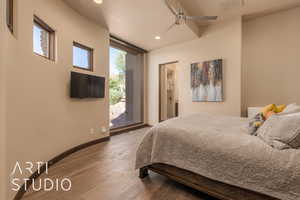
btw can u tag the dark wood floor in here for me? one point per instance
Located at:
(106, 172)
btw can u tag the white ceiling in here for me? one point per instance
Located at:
(230, 8)
(139, 21)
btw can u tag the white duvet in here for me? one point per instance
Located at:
(219, 148)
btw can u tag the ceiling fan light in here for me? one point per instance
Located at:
(98, 1)
(157, 37)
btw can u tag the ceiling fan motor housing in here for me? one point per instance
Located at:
(180, 18)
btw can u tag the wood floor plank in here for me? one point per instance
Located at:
(106, 172)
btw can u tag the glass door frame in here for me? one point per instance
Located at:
(125, 46)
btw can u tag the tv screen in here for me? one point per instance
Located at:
(87, 86)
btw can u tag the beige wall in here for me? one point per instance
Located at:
(2, 108)
(42, 120)
(271, 62)
(219, 41)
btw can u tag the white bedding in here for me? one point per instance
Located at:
(219, 148)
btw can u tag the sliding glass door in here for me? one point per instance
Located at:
(126, 86)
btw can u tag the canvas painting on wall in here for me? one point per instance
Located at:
(207, 81)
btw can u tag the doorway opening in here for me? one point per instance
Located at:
(168, 91)
(126, 86)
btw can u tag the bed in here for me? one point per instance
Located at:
(214, 154)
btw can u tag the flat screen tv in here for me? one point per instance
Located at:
(87, 86)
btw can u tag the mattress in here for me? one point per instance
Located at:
(219, 148)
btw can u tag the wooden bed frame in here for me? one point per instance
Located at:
(216, 189)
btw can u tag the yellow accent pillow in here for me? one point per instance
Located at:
(272, 108)
(269, 114)
(257, 124)
(280, 108)
(268, 108)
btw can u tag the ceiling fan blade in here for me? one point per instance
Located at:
(171, 8)
(201, 17)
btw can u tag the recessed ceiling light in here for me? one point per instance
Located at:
(98, 1)
(157, 37)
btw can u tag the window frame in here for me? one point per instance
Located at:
(10, 15)
(51, 43)
(130, 48)
(90, 57)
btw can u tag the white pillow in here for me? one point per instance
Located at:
(281, 131)
(291, 108)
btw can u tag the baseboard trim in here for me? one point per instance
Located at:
(55, 160)
(126, 129)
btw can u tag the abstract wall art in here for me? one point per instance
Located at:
(207, 81)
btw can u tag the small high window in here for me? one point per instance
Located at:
(82, 57)
(43, 39)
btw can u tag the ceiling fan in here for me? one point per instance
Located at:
(182, 18)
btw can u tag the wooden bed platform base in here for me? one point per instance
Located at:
(216, 189)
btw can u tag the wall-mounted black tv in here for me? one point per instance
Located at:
(87, 86)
